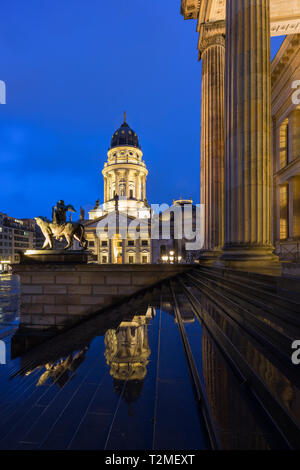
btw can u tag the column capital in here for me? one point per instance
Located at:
(211, 35)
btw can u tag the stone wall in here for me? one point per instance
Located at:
(55, 294)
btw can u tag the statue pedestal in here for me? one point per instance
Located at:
(54, 256)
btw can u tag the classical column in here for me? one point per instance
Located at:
(138, 189)
(248, 135)
(212, 144)
(144, 187)
(117, 183)
(105, 188)
(127, 184)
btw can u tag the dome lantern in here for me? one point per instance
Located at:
(125, 136)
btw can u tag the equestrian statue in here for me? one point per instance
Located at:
(59, 227)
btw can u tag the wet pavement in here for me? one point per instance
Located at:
(144, 375)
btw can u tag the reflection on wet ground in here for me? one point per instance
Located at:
(148, 374)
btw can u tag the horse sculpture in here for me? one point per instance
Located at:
(69, 230)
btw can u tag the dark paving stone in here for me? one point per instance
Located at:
(92, 432)
(67, 424)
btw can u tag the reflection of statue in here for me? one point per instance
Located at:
(59, 212)
(69, 230)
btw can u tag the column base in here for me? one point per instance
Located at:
(250, 258)
(209, 257)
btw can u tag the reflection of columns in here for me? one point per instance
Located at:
(212, 145)
(248, 134)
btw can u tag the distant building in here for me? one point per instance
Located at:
(15, 235)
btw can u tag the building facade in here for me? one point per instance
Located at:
(15, 235)
(285, 70)
(236, 126)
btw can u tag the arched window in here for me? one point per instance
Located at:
(122, 188)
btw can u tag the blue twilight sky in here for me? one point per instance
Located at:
(71, 68)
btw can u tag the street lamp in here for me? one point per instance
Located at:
(171, 258)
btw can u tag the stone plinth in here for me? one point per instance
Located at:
(54, 256)
(53, 295)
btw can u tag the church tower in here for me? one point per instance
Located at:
(125, 175)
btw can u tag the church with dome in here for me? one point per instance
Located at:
(125, 209)
(125, 177)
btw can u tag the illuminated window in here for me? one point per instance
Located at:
(104, 259)
(284, 212)
(144, 259)
(131, 259)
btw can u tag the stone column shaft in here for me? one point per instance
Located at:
(105, 188)
(127, 184)
(248, 133)
(212, 145)
(117, 183)
(144, 187)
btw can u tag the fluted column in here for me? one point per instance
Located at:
(127, 184)
(212, 145)
(247, 134)
(138, 187)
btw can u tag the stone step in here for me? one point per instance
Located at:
(255, 292)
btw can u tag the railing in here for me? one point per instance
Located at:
(290, 252)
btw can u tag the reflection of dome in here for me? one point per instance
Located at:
(132, 389)
(124, 136)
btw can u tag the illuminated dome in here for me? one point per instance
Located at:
(125, 136)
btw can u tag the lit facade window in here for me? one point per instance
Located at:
(284, 212)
